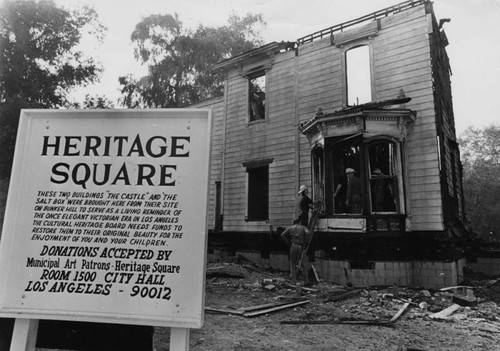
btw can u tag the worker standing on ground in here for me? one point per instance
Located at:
(304, 203)
(297, 236)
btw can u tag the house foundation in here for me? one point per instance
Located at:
(423, 274)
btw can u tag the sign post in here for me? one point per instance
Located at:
(106, 219)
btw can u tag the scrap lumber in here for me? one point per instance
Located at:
(223, 311)
(315, 273)
(291, 286)
(343, 296)
(455, 287)
(275, 308)
(225, 271)
(465, 300)
(253, 311)
(259, 270)
(358, 322)
(400, 312)
(445, 313)
(267, 305)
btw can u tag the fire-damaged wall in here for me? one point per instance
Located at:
(371, 97)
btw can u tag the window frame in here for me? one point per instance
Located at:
(250, 77)
(344, 67)
(397, 177)
(333, 148)
(257, 198)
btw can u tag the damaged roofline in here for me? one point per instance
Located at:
(370, 17)
(262, 51)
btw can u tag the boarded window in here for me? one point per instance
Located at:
(358, 75)
(258, 193)
(257, 97)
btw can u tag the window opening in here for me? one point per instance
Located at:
(359, 178)
(358, 74)
(383, 177)
(318, 172)
(257, 97)
(345, 159)
(258, 193)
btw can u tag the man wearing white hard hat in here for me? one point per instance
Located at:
(304, 203)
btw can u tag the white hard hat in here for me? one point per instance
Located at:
(302, 188)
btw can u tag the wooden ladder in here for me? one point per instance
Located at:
(312, 223)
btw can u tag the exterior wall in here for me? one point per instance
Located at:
(486, 265)
(402, 61)
(217, 151)
(311, 76)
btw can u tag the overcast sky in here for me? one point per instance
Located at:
(473, 34)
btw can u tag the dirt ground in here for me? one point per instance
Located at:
(357, 321)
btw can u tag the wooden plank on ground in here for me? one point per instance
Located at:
(444, 314)
(315, 273)
(343, 296)
(400, 312)
(268, 305)
(375, 323)
(274, 309)
(223, 310)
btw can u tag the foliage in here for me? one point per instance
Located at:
(94, 102)
(480, 150)
(180, 60)
(40, 61)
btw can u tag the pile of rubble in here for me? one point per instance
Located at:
(475, 301)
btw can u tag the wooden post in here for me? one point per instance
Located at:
(179, 339)
(24, 335)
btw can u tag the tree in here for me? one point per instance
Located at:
(480, 150)
(39, 61)
(179, 60)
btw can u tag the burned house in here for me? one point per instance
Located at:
(372, 96)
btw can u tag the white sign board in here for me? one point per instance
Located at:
(106, 217)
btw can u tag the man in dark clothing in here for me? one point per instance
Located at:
(304, 203)
(297, 236)
(353, 201)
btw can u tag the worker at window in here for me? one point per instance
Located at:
(339, 194)
(297, 237)
(353, 201)
(304, 203)
(383, 197)
(257, 103)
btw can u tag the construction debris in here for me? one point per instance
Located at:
(364, 306)
(444, 314)
(254, 311)
(359, 322)
(465, 300)
(400, 312)
(343, 296)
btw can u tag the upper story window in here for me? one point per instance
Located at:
(257, 97)
(358, 75)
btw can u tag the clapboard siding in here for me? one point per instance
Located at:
(299, 82)
(402, 61)
(216, 150)
(402, 18)
(269, 139)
